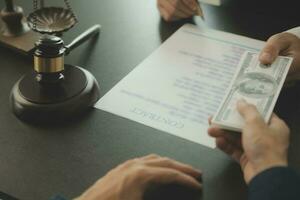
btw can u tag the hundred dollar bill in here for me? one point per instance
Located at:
(256, 83)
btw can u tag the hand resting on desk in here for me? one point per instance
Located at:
(130, 180)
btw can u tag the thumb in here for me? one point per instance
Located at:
(249, 113)
(273, 47)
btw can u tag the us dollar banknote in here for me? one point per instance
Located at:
(257, 84)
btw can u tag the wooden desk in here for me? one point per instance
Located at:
(37, 162)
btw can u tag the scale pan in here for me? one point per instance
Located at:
(51, 20)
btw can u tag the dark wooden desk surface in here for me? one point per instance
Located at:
(39, 161)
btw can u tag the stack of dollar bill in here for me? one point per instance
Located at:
(257, 84)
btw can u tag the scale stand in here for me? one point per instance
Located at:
(14, 31)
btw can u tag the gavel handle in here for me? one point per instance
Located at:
(86, 35)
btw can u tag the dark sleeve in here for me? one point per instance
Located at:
(278, 183)
(57, 197)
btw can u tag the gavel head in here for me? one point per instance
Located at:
(49, 59)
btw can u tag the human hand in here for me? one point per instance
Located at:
(259, 147)
(130, 179)
(285, 44)
(172, 10)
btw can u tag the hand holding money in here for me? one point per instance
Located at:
(172, 10)
(260, 146)
(257, 84)
(284, 44)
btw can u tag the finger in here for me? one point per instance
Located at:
(216, 132)
(278, 124)
(173, 10)
(273, 47)
(222, 144)
(243, 161)
(294, 70)
(274, 119)
(229, 148)
(164, 14)
(210, 120)
(225, 146)
(172, 164)
(150, 157)
(192, 4)
(188, 10)
(167, 176)
(232, 138)
(249, 113)
(237, 154)
(167, 14)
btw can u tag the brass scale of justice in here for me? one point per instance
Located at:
(54, 91)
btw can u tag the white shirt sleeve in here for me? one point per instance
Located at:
(295, 31)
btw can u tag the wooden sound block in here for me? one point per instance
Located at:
(54, 103)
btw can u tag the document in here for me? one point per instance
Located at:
(181, 84)
(212, 2)
(257, 84)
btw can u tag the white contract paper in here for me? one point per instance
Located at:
(182, 83)
(212, 2)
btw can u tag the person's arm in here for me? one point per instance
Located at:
(276, 183)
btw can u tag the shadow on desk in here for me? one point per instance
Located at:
(51, 124)
(4, 196)
(172, 191)
(166, 29)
